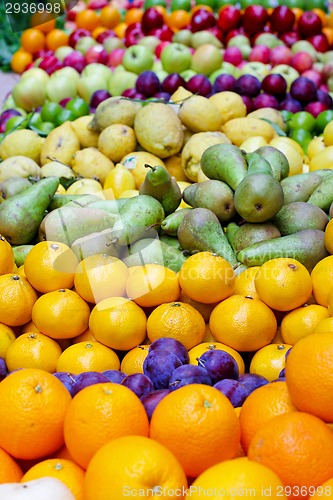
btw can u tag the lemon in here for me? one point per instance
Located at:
(87, 138)
(22, 143)
(19, 166)
(269, 360)
(229, 104)
(199, 114)
(116, 141)
(91, 163)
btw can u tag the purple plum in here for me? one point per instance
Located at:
(171, 345)
(68, 380)
(88, 378)
(189, 374)
(139, 383)
(251, 381)
(159, 365)
(219, 364)
(115, 376)
(151, 400)
(233, 390)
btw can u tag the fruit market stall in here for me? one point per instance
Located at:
(166, 251)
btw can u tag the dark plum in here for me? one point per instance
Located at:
(159, 365)
(224, 82)
(199, 84)
(171, 345)
(325, 98)
(251, 381)
(115, 376)
(264, 100)
(151, 400)
(274, 84)
(139, 383)
(68, 380)
(162, 95)
(248, 101)
(189, 374)
(248, 85)
(304, 90)
(202, 20)
(88, 378)
(3, 369)
(147, 83)
(133, 94)
(171, 83)
(9, 113)
(219, 364)
(282, 373)
(291, 105)
(233, 390)
(98, 97)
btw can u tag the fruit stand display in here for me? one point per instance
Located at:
(166, 252)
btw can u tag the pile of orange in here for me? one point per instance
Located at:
(59, 314)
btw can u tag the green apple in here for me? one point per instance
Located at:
(203, 37)
(84, 44)
(305, 46)
(110, 44)
(176, 58)
(37, 73)
(29, 93)
(243, 43)
(150, 42)
(269, 40)
(118, 69)
(256, 68)
(187, 74)
(120, 81)
(63, 52)
(97, 69)
(206, 59)
(138, 58)
(87, 85)
(69, 72)
(183, 36)
(60, 87)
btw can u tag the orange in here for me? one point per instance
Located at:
(20, 60)
(10, 471)
(302, 322)
(100, 276)
(87, 19)
(33, 350)
(329, 34)
(100, 413)
(324, 326)
(309, 375)
(298, 447)
(322, 280)
(324, 490)
(283, 284)
(263, 404)
(152, 285)
(7, 260)
(32, 40)
(204, 309)
(243, 323)
(233, 478)
(43, 21)
(207, 277)
(269, 360)
(97, 31)
(328, 239)
(56, 38)
(147, 468)
(49, 266)
(32, 412)
(322, 14)
(17, 298)
(244, 283)
(176, 320)
(29, 327)
(174, 167)
(110, 17)
(178, 19)
(298, 12)
(61, 314)
(133, 15)
(7, 337)
(120, 30)
(66, 471)
(199, 426)
(132, 362)
(86, 335)
(199, 349)
(86, 357)
(63, 453)
(201, 6)
(209, 337)
(118, 323)
(330, 302)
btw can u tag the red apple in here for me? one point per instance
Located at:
(282, 19)
(229, 18)
(260, 53)
(313, 75)
(254, 18)
(151, 19)
(201, 20)
(164, 33)
(97, 4)
(309, 24)
(76, 35)
(217, 32)
(316, 107)
(75, 60)
(302, 61)
(160, 47)
(115, 57)
(320, 42)
(96, 54)
(233, 55)
(133, 34)
(50, 64)
(104, 35)
(290, 37)
(281, 55)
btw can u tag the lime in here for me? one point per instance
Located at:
(36, 120)
(16, 122)
(315, 4)
(46, 127)
(294, 3)
(64, 116)
(210, 3)
(153, 3)
(303, 137)
(222, 3)
(180, 5)
(78, 107)
(50, 111)
(323, 119)
(302, 120)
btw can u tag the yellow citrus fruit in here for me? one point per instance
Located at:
(17, 298)
(322, 280)
(235, 477)
(85, 336)
(50, 265)
(291, 151)
(315, 146)
(87, 357)
(269, 361)
(33, 350)
(322, 160)
(6, 256)
(100, 276)
(29, 327)
(243, 323)
(132, 362)
(207, 277)
(283, 284)
(7, 337)
(61, 314)
(324, 326)
(328, 239)
(119, 179)
(244, 283)
(328, 134)
(118, 323)
(199, 349)
(152, 285)
(302, 322)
